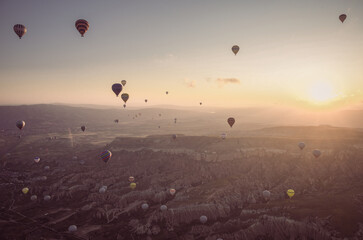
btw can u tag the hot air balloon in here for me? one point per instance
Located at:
(133, 185)
(145, 206)
(163, 208)
(117, 88)
(223, 135)
(33, 197)
(37, 159)
(106, 155)
(25, 190)
(266, 195)
(102, 190)
(47, 198)
(290, 193)
(20, 124)
(83, 128)
(124, 105)
(342, 17)
(231, 121)
(235, 49)
(159, 114)
(146, 100)
(75, 158)
(175, 120)
(174, 136)
(301, 145)
(123, 82)
(203, 219)
(125, 97)
(116, 120)
(20, 30)
(316, 153)
(131, 179)
(167, 92)
(82, 26)
(172, 191)
(200, 103)
(72, 228)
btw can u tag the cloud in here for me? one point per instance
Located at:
(223, 81)
(189, 83)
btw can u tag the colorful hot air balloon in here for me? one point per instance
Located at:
(266, 195)
(203, 219)
(123, 82)
(37, 159)
(301, 145)
(25, 190)
(290, 193)
(82, 26)
(125, 97)
(133, 185)
(83, 128)
(20, 124)
(342, 17)
(20, 30)
(231, 121)
(316, 153)
(172, 191)
(235, 49)
(106, 155)
(131, 179)
(117, 88)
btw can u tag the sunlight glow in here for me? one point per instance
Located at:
(321, 92)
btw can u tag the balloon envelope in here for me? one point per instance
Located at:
(25, 190)
(163, 208)
(72, 228)
(131, 179)
(33, 197)
(20, 124)
(102, 190)
(133, 185)
(316, 153)
(235, 49)
(290, 193)
(174, 136)
(301, 145)
(172, 191)
(117, 88)
(106, 155)
(83, 128)
(342, 17)
(231, 121)
(145, 206)
(20, 30)
(82, 26)
(37, 159)
(125, 97)
(266, 194)
(123, 82)
(203, 219)
(46, 197)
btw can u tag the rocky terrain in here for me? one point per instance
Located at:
(220, 179)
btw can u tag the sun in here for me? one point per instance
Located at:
(321, 92)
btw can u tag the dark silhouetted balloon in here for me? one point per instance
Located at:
(82, 26)
(83, 128)
(235, 49)
(117, 88)
(342, 17)
(301, 145)
(123, 82)
(231, 121)
(125, 97)
(316, 153)
(20, 30)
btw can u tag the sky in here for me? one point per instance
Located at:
(292, 52)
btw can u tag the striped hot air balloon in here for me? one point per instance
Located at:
(82, 26)
(20, 30)
(106, 155)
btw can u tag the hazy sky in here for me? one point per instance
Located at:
(292, 52)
